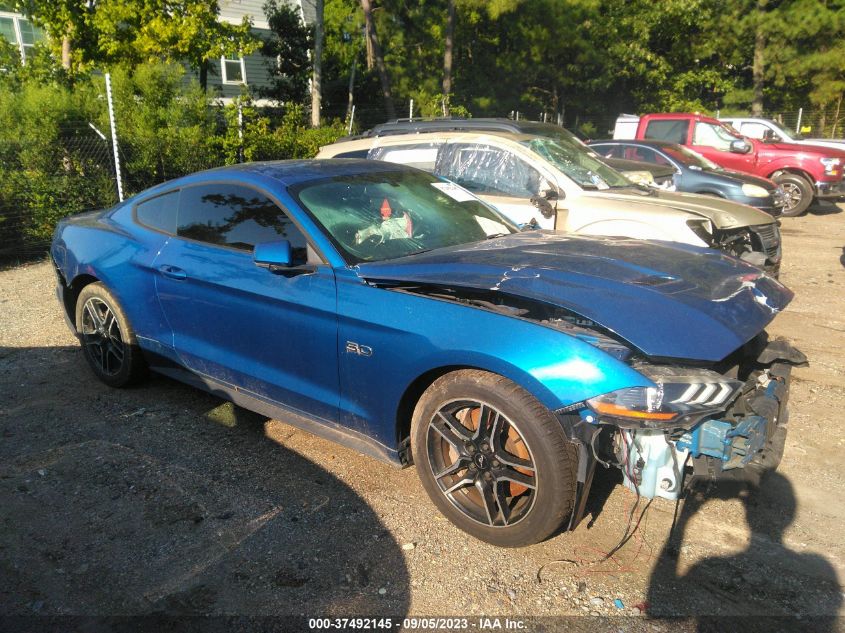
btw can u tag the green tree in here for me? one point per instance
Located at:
(112, 32)
(286, 50)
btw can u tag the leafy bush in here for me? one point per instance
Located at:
(52, 163)
(165, 126)
(55, 145)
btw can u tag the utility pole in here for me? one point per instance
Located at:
(316, 82)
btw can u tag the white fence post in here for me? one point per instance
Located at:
(798, 125)
(411, 110)
(114, 138)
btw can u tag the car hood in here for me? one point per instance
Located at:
(805, 148)
(740, 178)
(724, 214)
(667, 300)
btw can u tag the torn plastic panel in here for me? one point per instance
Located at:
(739, 439)
(483, 168)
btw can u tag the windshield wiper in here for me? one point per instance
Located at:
(495, 235)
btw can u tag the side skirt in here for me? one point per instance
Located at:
(277, 411)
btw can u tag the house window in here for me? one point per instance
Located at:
(20, 32)
(234, 71)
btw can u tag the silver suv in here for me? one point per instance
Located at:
(559, 183)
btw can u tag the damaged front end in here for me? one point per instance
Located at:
(725, 421)
(759, 245)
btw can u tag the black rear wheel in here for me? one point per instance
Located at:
(107, 339)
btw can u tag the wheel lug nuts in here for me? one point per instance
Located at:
(484, 447)
(495, 463)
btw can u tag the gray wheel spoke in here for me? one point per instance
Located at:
(488, 497)
(96, 320)
(457, 465)
(484, 412)
(104, 360)
(502, 502)
(463, 483)
(509, 459)
(451, 430)
(495, 431)
(509, 474)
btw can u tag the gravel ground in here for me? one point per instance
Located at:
(162, 499)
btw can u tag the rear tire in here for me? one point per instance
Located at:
(493, 459)
(799, 193)
(108, 341)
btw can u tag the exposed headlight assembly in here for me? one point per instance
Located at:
(703, 230)
(830, 165)
(754, 191)
(681, 396)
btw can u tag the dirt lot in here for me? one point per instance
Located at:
(161, 499)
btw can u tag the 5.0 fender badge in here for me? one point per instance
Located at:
(356, 348)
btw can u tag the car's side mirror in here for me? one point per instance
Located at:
(273, 255)
(543, 205)
(740, 147)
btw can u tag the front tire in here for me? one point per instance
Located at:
(799, 193)
(107, 339)
(493, 459)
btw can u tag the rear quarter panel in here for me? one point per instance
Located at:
(120, 256)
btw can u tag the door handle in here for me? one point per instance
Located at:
(172, 271)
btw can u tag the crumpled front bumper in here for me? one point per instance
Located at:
(744, 447)
(741, 443)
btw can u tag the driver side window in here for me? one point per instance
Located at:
(236, 217)
(711, 136)
(488, 170)
(754, 130)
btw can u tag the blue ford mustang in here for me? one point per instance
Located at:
(391, 311)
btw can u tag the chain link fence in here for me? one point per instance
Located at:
(74, 174)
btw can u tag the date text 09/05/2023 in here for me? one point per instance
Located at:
(479, 623)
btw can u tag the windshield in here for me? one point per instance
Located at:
(784, 135)
(578, 163)
(690, 158)
(384, 215)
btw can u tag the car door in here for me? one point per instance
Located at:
(498, 177)
(714, 142)
(271, 334)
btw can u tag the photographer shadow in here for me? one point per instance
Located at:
(776, 585)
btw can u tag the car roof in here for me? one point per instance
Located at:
(285, 172)
(644, 143)
(456, 124)
(291, 172)
(411, 137)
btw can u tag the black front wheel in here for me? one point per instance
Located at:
(107, 339)
(493, 459)
(798, 193)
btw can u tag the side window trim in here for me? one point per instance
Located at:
(138, 221)
(309, 243)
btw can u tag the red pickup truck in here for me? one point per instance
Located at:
(805, 172)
